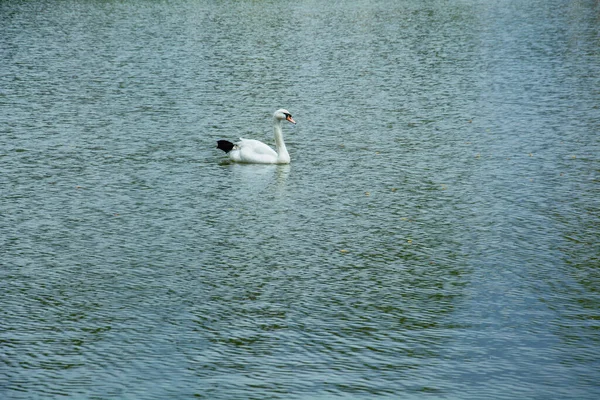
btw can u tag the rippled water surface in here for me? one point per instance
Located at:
(435, 236)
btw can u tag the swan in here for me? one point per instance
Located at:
(256, 152)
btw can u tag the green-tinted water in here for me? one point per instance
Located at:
(436, 234)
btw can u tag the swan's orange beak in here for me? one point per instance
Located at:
(289, 118)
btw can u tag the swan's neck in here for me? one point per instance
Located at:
(283, 157)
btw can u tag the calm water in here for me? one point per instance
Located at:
(436, 235)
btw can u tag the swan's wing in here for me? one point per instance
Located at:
(255, 147)
(252, 151)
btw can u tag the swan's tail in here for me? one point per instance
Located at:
(225, 145)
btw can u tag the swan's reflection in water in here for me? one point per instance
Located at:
(281, 174)
(258, 178)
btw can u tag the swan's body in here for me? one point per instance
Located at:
(256, 152)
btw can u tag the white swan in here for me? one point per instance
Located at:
(256, 152)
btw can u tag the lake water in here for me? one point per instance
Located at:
(435, 236)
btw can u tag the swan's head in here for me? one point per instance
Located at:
(282, 114)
